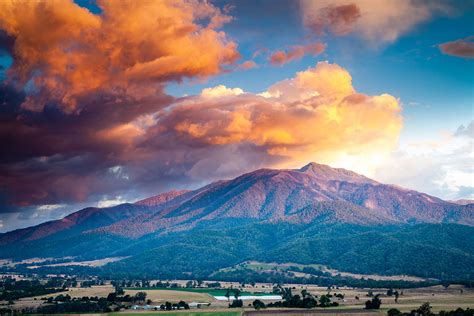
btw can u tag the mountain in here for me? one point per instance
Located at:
(301, 195)
(271, 214)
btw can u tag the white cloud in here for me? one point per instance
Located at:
(111, 202)
(220, 91)
(50, 207)
(443, 167)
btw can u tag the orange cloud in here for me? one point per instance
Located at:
(249, 64)
(316, 114)
(459, 48)
(381, 23)
(68, 52)
(296, 52)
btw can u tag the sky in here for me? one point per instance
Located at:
(107, 102)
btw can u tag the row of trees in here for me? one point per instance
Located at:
(11, 289)
(426, 310)
(305, 300)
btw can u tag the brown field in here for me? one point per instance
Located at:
(100, 291)
(439, 298)
(161, 296)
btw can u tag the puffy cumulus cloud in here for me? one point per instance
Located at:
(281, 57)
(133, 48)
(459, 48)
(315, 115)
(381, 23)
(220, 91)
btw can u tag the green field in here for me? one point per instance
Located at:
(213, 292)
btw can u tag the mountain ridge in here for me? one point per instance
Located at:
(295, 195)
(311, 215)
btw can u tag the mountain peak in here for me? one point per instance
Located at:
(328, 173)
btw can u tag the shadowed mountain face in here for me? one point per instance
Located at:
(313, 193)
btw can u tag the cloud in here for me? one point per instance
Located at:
(382, 23)
(220, 91)
(50, 207)
(84, 88)
(459, 48)
(441, 166)
(67, 52)
(108, 202)
(317, 115)
(295, 52)
(249, 64)
(339, 19)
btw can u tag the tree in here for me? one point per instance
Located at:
(237, 293)
(227, 294)
(258, 304)
(140, 297)
(324, 301)
(304, 292)
(424, 310)
(111, 297)
(393, 312)
(287, 295)
(374, 303)
(236, 304)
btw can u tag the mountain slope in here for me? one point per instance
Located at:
(314, 192)
(295, 195)
(316, 214)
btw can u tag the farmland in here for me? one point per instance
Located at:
(350, 300)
